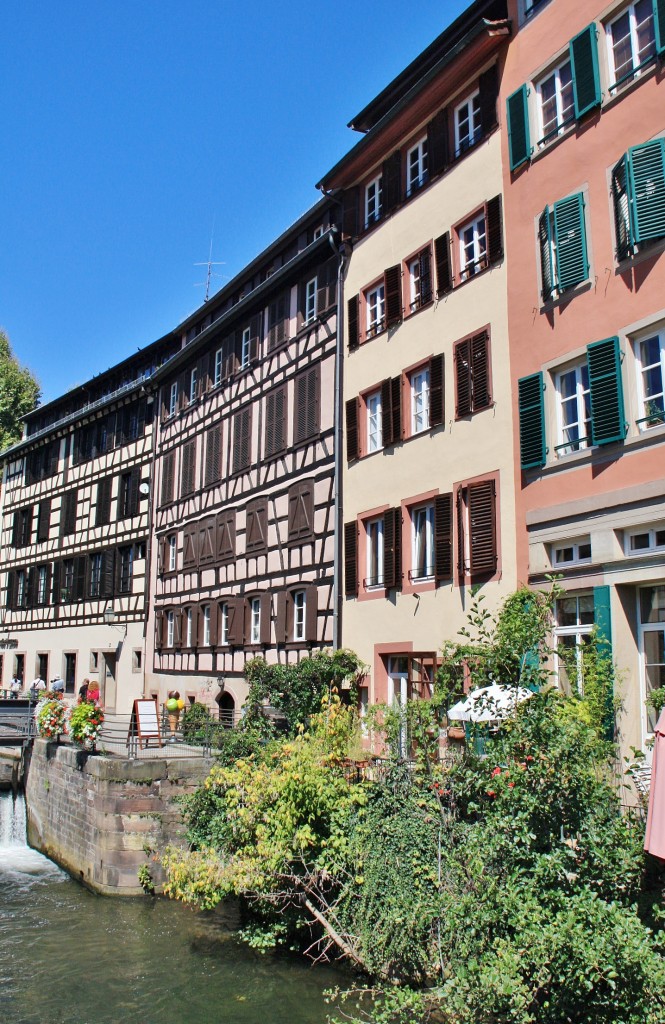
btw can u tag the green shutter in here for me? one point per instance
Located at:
(659, 24)
(545, 240)
(646, 172)
(608, 421)
(622, 222)
(532, 421)
(584, 67)
(572, 266)
(603, 622)
(519, 143)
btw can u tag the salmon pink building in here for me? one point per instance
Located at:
(583, 94)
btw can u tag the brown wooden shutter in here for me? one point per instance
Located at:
(103, 507)
(301, 512)
(351, 559)
(189, 554)
(480, 368)
(256, 529)
(280, 618)
(311, 614)
(425, 270)
(396, 409)
(206, 541)
(241, 439)
(134, 481)
(202, 380)
(437, 143)
(236, 624)
(463, 379)
(168, 475)
(32, 586)
(108, 580)
(326, 293)
(488, 85)
(266, 618)
(443, 537)
(214, 634)
(393, 281)
(352, 439)
(177, 628)
(386, 415)
(213, 454)
(80, 571)
(225, 537)
(392, 182)
(279, 312)
(350, 203)
(353, 323)
(306, 404)
(188, 480)
(444, 278)
(159, 630)
(275, 437)
(55, 582)
(16, 528)
(254, 337)
(494, 230)
(436, 391)
(195, 625)
(392, 548)
(482, 527)
(461, 559)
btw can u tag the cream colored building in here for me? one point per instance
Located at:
(427, 486)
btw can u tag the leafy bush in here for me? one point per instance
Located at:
(51, 716)
(85, 723)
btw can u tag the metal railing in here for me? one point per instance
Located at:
(176, 738)
(17, 721)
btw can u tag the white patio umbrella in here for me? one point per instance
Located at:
(489, 703)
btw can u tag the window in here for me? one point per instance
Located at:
(172, 549)
(373, 201)
(473, 247)
(631, 41)
(652, 646)
(638, 190)
(170, 628)
(206, 625)
(422, 520)
(96, 561)
(468, 126)
(67, 590)
(574, 618)
(374, 427)
(571, 552)
(556, 105)
(128, 494)
(22, 529)
(650, 356)
(563, 249)
(376, 311)
(189, 636)
(173, 398)
(193, 380)
(310, 301)
(420, 279)
(21, 589)
(42, 585)
(419, 384)
(224, 624)
(245, 348)
(416, 166)
(125, 569)
(574, 409)
(299, 615)
(645, 540)
(374, 538)
(255, 620)
(217, 378)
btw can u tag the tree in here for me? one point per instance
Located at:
(19, 394)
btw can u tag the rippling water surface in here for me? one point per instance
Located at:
(70, 957)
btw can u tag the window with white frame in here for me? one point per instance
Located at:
(468, 127)
(42, 596)
(299, 615)
(555, 101)
(310, 300)
(415, 300)
(172, 551)
(573, 409)
(245, 347)
(416, 166)
(170, 628)
(375, 301)
(373, 200)
(473, 247)
(173, 398)
(571, 552)
(374, 425)
(317, 232)
(224, 624)
(422, 519)
(374, 537)
(206, 625)
(96, 574)
(574, 622)
(21, 589)
(419, 382)
(193, 380)
(255, 621)
(188, 627)
(650, 358)
(631, 41)
(646, 539)
(652, 648)
(218, 367)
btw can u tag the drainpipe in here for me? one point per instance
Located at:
(342, 253)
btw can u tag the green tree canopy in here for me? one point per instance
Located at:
(19, 394)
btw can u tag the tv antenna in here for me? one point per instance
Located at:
(209, 263)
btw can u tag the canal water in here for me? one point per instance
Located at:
(68, 956)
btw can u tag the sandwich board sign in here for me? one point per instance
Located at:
(144, 723)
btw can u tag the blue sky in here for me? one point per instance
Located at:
(131, 128)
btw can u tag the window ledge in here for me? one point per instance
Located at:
(600, 453)
(650, 250)
(414, 312)
(628, 86)
(566, 296)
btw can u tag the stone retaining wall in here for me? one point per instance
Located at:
(97, 816)
(10, 768)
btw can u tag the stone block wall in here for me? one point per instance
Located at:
(97, 816)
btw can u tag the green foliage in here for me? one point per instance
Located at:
(146, 880)
(19, 395)
(296, 690)
(197, 724)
